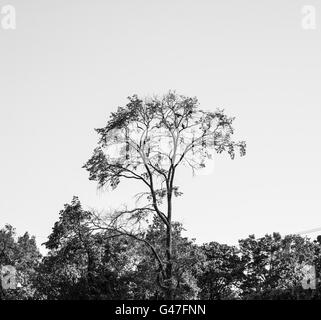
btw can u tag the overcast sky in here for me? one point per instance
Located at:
(70, 63)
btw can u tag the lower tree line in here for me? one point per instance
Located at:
(86, 261)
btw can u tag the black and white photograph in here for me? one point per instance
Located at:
(160, 151)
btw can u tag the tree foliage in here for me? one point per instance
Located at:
(84, 262)
(22, 254)
(147, 140)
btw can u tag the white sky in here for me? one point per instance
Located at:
(70, 63)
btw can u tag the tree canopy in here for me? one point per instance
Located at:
(147, 140)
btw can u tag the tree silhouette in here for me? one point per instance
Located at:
(147, 140)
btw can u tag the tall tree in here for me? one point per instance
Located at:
(147, 140)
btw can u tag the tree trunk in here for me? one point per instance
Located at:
(169, 240)
(169, 265)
